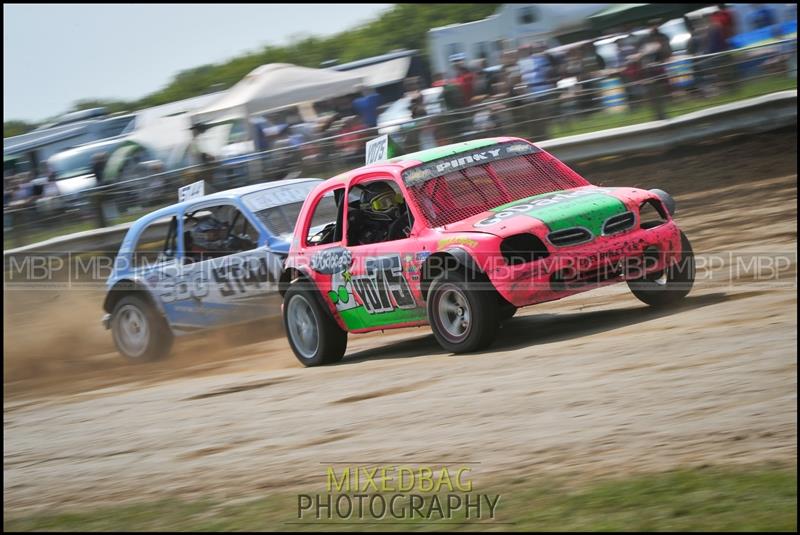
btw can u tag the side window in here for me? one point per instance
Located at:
(455, 48)
(326, 219)
(243, 229)
(156, 243)
(527, 15)
(215, 231)
(377, 212)
(481, 50)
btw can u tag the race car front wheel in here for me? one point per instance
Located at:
(670, 285)
(463, 314)
(314, 336)
(139, 331)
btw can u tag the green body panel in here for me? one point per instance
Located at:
(359, 318)
(428, 155)
(588, 211)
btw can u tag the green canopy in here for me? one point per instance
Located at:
(621, 14)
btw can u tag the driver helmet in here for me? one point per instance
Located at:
(209, 234)
(380, 201)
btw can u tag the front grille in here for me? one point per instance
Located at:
(569, 236)
(618, 223)
(627, 268)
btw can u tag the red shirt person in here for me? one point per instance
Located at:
(724, 18)
(466, 81)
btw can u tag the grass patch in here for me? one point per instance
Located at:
(676, 107)
(704, 499)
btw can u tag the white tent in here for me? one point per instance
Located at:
(274, 86)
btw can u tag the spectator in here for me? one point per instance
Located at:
(631, 76)
(654, 51)
(37, 186)
(51, 188)
(193, 150)
(257, 125)
(367, 107)
(627, 44)
(98, 169)
(424, 129)
(515, 86)
(509, 62)
(762, 17)
(715, 41)
(537, 71)
(99, 161)
(481, 81)
(8, 192)
(438, 80)
(724, 18)
(465, 81)
(351, 144)
(525, 62)
(411, 84)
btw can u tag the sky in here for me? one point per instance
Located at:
(54, 55)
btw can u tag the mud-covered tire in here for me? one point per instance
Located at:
(463, 314)
(314, 336)
(670, 285)
(140, 332)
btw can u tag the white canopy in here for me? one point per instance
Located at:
(383, 73)
(274, 86)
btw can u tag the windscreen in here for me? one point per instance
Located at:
(458, 187)
(279, 207)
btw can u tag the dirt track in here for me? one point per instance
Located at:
(595, 384)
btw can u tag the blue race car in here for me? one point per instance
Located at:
(203, 263)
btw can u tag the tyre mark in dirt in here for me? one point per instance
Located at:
(383, 392)
(326, 439)
(25, 463)
(237, 388)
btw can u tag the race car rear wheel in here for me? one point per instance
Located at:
(506, 310)
(463, 314)
(313, 335)
(670, 285)
(140, 333)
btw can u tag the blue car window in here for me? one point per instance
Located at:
(156, 244)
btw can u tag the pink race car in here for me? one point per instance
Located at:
(459, 237)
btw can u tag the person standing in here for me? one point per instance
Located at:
(654, 51)
(366, 106)
(466, 82)
(724, 18)
(762, 17)
(98, 170)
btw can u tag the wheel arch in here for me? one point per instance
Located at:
(125, 287)
(292, 275)
(442, 261)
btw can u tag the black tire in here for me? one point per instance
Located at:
(505, 310)
(671, 285)
(330, 340)
(135, 313)
(476, 309)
